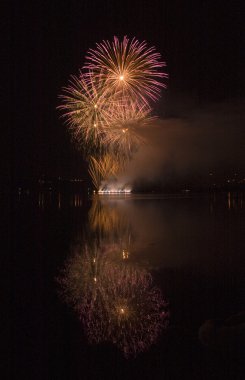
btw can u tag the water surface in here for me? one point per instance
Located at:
(186, 254)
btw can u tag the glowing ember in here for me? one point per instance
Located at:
(115, 191)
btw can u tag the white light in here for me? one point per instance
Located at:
(114, 191)
(121, 77)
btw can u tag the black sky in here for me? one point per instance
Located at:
(201, 42)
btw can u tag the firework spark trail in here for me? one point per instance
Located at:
(95, 172)
(103, 168)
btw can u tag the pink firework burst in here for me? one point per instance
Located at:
(129, 67)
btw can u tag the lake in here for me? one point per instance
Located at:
(118, 287)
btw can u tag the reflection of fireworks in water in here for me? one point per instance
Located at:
(116, 302)
(104, 218)
(110, 225)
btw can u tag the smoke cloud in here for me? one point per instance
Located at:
(204, 140)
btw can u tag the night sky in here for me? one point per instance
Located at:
(201, 41)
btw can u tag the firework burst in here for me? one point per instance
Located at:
(86, 109)
(123, 136)
(107, 105)
(130, 67)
